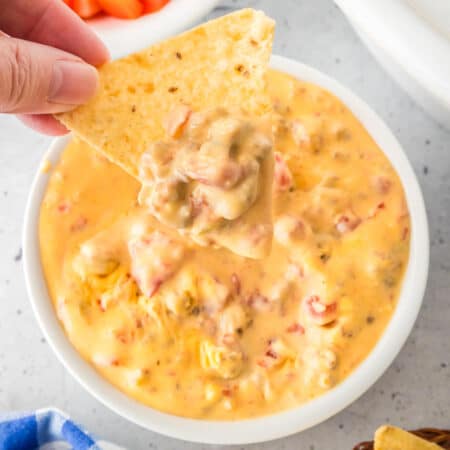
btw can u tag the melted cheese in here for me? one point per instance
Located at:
(204, 332)
(210, 180)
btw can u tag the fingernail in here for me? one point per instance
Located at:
(72, 83)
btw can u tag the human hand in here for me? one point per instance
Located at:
(47, 54)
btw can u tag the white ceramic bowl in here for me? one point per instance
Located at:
(126, 36)
(411, 40)
(284, 423)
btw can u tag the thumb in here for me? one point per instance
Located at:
(38, 79)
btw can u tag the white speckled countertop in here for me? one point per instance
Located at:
(414, 392)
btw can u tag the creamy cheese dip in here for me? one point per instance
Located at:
(203, 332)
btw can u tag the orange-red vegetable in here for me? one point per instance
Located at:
(151, 6)
(124, 9)
(85, 8)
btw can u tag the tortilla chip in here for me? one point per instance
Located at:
(392, 438)
(220, 63)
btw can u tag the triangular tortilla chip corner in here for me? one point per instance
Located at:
(388, 437)
(220, 63)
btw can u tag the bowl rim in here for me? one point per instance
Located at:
(399, 29)
(286, 422)
(124, 36)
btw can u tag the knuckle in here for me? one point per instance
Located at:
(15, 68)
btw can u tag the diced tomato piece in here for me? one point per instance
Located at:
(100, 305)
(124, 336)
(85, 8)
(319, 312)
(382, 184)
(380, 206)
(271, 354)
(154, 258)
(283, 180)
(262, 363)
(295, 328)
(151, 6)
(67, 2)
(405, 233)
(79, 224)
(220, 174)
(259, 302)
(63, 207)
(236, 282)
(124, 9)
(347, 222)
(227, 392)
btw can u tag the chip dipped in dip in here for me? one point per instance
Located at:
(212, 180)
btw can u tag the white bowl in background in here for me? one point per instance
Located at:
(127, 36)
(411, 40)
(283, 423)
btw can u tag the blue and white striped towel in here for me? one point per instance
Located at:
(46, 429)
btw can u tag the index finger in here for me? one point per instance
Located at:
(53, 23)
